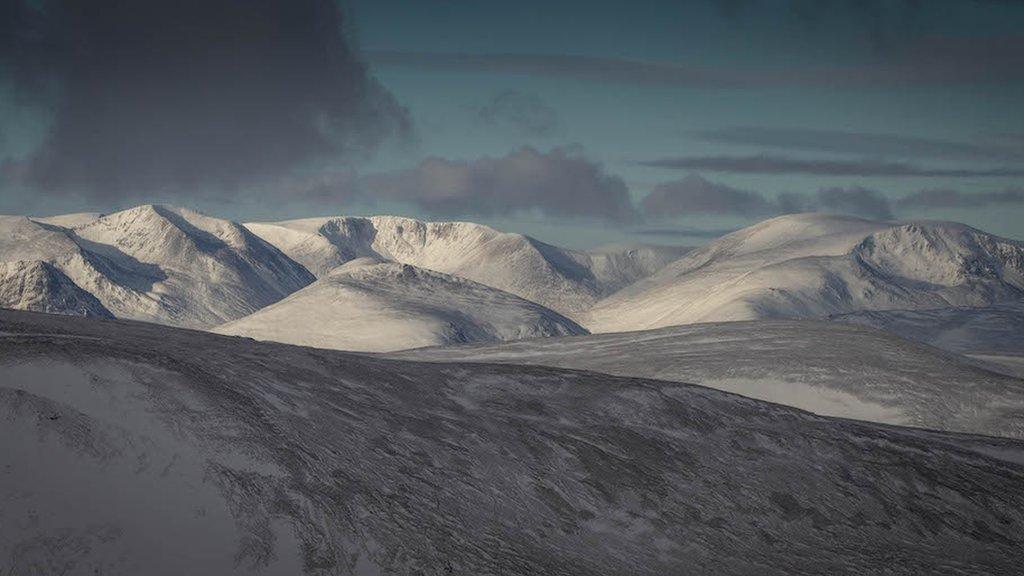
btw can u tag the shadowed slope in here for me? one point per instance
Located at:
(277, 459)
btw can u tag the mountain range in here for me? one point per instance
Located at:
(386, 283)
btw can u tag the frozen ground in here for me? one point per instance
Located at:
(131, 448)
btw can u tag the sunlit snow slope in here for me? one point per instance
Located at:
(813, 266)
(368, 305)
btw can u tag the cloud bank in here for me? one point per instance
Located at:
(558, 183)
(695, 194)
(177, 95)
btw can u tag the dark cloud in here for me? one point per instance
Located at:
(945, 198)
(772, 164)
(857, 143)
(921, 61)
(168, 95)
(558, 183)
(696, 195)
(526, 113)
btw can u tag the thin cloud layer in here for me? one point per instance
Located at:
(775, 164)
(559, 183)
(179, 95)
(858, 143)
(920, 61)
(526, 113)
(946, 198)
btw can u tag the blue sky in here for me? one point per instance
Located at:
(935, 87)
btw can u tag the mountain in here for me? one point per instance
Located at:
(369, 305)
(567, 281)
(160, 263)
(258, 458)
(813, 266)
(38, 286)
(828, 368)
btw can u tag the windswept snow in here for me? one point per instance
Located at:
(259, 458)
(369, 305)
(567, 281)
(829, 368)
(813, 266)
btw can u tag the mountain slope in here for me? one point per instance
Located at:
(564, 280)
(995, 329)
(829, 368)
(813, 266)
(368, 305)
(161, 264)
(118, 437)
(40, 287)
(992, 334)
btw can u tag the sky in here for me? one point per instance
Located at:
(581, 123)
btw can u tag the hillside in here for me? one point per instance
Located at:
(374, 306)
(270, 459)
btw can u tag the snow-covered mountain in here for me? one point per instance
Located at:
(567, 281)
(160, 263)
(369, 305)
(813, 266)
(39, 286)
(828, 368)
(258, 458)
